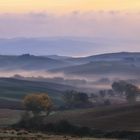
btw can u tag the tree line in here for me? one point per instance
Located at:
(38, 104)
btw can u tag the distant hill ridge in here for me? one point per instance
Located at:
(112, 63)
(123, 62)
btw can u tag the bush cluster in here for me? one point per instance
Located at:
(65, 128)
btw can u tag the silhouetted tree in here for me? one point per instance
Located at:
(119, 87)
(68, 98)
(131, 93)
(129, 90)
(74, 99)
(102, 93)
(110, 92)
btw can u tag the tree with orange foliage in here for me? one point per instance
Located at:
(38, 103)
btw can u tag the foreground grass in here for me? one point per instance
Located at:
(9, 117)
(117, 118)
(39, 136)
(114, 118)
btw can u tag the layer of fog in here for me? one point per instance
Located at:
(30, 73)
(86, 82)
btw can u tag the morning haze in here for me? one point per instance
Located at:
(69, 69)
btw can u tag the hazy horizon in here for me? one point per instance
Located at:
(96, 26)
(66, 46)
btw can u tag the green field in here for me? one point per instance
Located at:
(9, 117)
(125, 117)
(13, 90)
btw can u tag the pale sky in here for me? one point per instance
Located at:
(63, 6)
(108, 20)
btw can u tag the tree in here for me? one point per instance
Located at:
(119, 87)
(102, 93)
(76, 99)
(129, 90)
(110, 92)
(81, 99)
(37, 103)
(131, 93)
(68, 98)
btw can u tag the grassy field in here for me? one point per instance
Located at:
(8, 117)
(44, 137)
(125, 117)
(25, 135)
(13, 90)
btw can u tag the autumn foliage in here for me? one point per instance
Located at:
(37, 103)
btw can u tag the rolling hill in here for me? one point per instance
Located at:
(102, 67)
(91, 64)
(105, 64)
(30, 62)
(123, 117)
(13, 90)
(109, 57)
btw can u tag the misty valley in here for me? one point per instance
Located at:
(93, 96)
(69, 70)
